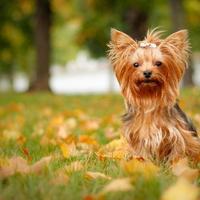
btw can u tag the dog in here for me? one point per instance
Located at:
(149, 74)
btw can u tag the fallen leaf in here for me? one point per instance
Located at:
(116, 149)
(68, 150)
(90, 125)
(56, 121)
(181, 190)
(60, 178)
(39, 165)
(71, 123)
(21, 140)
(182, 169)
(26, 153)
(20, 165)
(110, 133)
(121, 184)
(65, 129)
(89, 197)
(14, 165)
(47, 111)
(11, 134)
(87, 140)
(95, 175)
(144, 168)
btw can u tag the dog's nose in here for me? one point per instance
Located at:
(147, 74)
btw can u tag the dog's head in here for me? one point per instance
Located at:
(151, 68)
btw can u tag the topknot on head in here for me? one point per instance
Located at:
(154, 36)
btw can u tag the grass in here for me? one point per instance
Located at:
(26, 118)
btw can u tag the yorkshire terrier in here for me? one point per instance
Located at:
(149, 73)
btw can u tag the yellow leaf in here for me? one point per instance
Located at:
(68, 150)
(181, 190)
(121, 184)
(95, 175)
(56, 121)
(11, 134)
(182, 169)
(71, 123)
(116, 149)
(145, 168)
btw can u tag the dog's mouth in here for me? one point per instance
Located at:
(148, 82)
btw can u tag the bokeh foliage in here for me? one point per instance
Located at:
(81, 24)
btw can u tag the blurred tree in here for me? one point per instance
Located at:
(64, 29)
(15, 36)
(179, 22)
(42, 44)
(99, 16)
(80, 24)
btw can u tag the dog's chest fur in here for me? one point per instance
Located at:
(157, 134)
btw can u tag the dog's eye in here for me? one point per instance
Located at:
(158, 63)
(136, 64)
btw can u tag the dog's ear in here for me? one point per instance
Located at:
(121, 40)
(177, 47)
(178, 41)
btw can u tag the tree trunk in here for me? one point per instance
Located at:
(179, 22)
(42, 42)
(137, 21)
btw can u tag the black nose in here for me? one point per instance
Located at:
(147, 74)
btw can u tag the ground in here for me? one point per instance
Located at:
(69, 147)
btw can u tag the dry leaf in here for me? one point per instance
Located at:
(68, 150)
(21, 140)
(117, 149)
(89, 197)
(146, 168)
(90, 125)
(56, 121)
(20, 165)
(11, 133)
(182, 169)
(14, 165)
(121, 184)
(62, 132)
(39, 165)
(95, 175)
(111, 134)
(60, 178)
(65, 129)
(181, 190)
(87, 140)
(71, 123)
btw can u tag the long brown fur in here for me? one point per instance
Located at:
(154, 127)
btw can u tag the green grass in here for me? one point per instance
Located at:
(30, 115)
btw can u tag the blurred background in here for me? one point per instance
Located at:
(60, 45)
